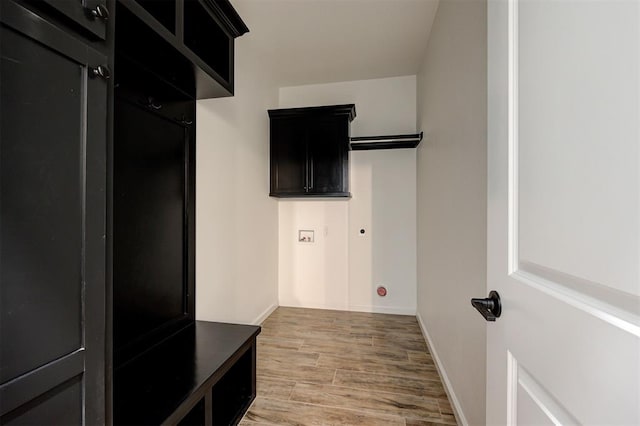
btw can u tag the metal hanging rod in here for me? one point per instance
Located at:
(386, 142)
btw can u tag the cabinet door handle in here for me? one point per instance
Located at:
(306, 172)
(311, 180)
(99, 12)
(101, 71)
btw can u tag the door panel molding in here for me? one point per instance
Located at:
(613, 306)
(35, 383)
(618, 308)
(512, 119)
(523, 385)
(37, 28)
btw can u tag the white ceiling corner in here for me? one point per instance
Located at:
(322, 41)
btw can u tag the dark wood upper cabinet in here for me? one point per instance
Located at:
(310, 151)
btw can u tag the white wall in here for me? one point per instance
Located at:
(452, 200)
(384, 205)
(313, 275)
(236, 221)
(383, 106)
(342, 269)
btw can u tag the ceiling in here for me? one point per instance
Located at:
(321, 41)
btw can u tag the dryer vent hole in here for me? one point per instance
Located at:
(382, 291)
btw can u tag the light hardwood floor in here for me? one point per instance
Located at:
(320, 367)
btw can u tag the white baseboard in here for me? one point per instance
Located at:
(396, 310)
(308, 304)
(265, 314)
(354, 308)
(455, 403)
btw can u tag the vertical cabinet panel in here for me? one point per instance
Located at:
(41, 185)
(52, 222)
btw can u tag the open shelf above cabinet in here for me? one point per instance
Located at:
(361, 143)
(201, 32)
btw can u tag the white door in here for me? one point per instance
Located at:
(564, 212)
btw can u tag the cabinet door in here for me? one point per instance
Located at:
(92, 15)
(288, 157)
(328, 156)
(52, 224)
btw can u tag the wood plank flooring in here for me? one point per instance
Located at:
(320, 367)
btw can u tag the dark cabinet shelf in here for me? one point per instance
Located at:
(199, 34)
(309, 151)
(363, 143)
